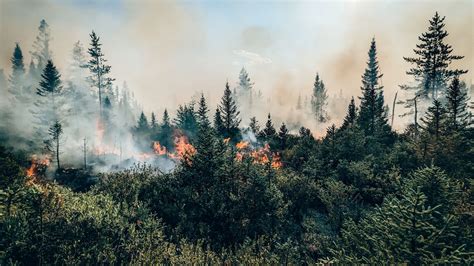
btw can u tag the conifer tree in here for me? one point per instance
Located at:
(142, 124)
(254, 125)
(269, 131)
(244, 81)
(202, 118)
(18, 73)
(431, 66)
(229, 114)
(319, 100)
(166, 131)
(218, 123)
(434, 120)
(54, 142)
(458, 114)
(153, 122)
(41, 51)
(372, 115)
(98, 68)
(351, 115)
(283, 136)
(48, 105)
(186, 119)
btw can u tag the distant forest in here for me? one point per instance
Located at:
(87, 177)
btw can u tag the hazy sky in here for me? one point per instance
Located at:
(165, 49)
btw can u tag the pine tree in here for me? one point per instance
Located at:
(202, 118)
(458, 114)
(48, 105)
(166, 131)
(229, 114)
(142, 124)
(434, 120)
(351, 115)
(269, 131)
(431, 66)
(283, 136)
(42, 53)
(186, 119)
(18, 73)
(98, 68)
(54, 142)
(218, 123)
(319, 100)
(372, 115)
(153, 122)
(244, 81)
(254, 125)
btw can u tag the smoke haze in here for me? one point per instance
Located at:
(168, 51)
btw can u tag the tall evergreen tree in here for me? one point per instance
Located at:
(319, 100)
(166, 131)
(431, 66)
(351, 116)
(283, 136)
(41, 51)
(372, 115)
(153, 122)
(457, 111)
(186, 119)
(254, 125)
(229, 114)
(18, 74)
(202, 117)
(434, 119)
(98, 68)
(48, 105)
(269, 131)
(218, 123)
(142, 124)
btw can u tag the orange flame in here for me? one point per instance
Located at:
(259, 156)
(183, 148)
(35, 162)
(159, 150)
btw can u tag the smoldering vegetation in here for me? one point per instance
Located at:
(255, 177)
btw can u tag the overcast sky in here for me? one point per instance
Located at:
(167, 49)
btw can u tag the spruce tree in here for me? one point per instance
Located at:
(457, 110)
(283, 136)
(372, 115)
(434, 120)
(269, 131)
(254, 125)
(41, 51)
(166, 131)
(18, 74)
(98, 68)
(48, 105)
(433, 57)
(186, 119)
(229, 114)
(142, 124)
(218, 123)
(351, 115)
(202, 117)
(319, 100)
(153, 122)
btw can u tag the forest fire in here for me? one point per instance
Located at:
(261, 155)
(37, 163)
(183, 149)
